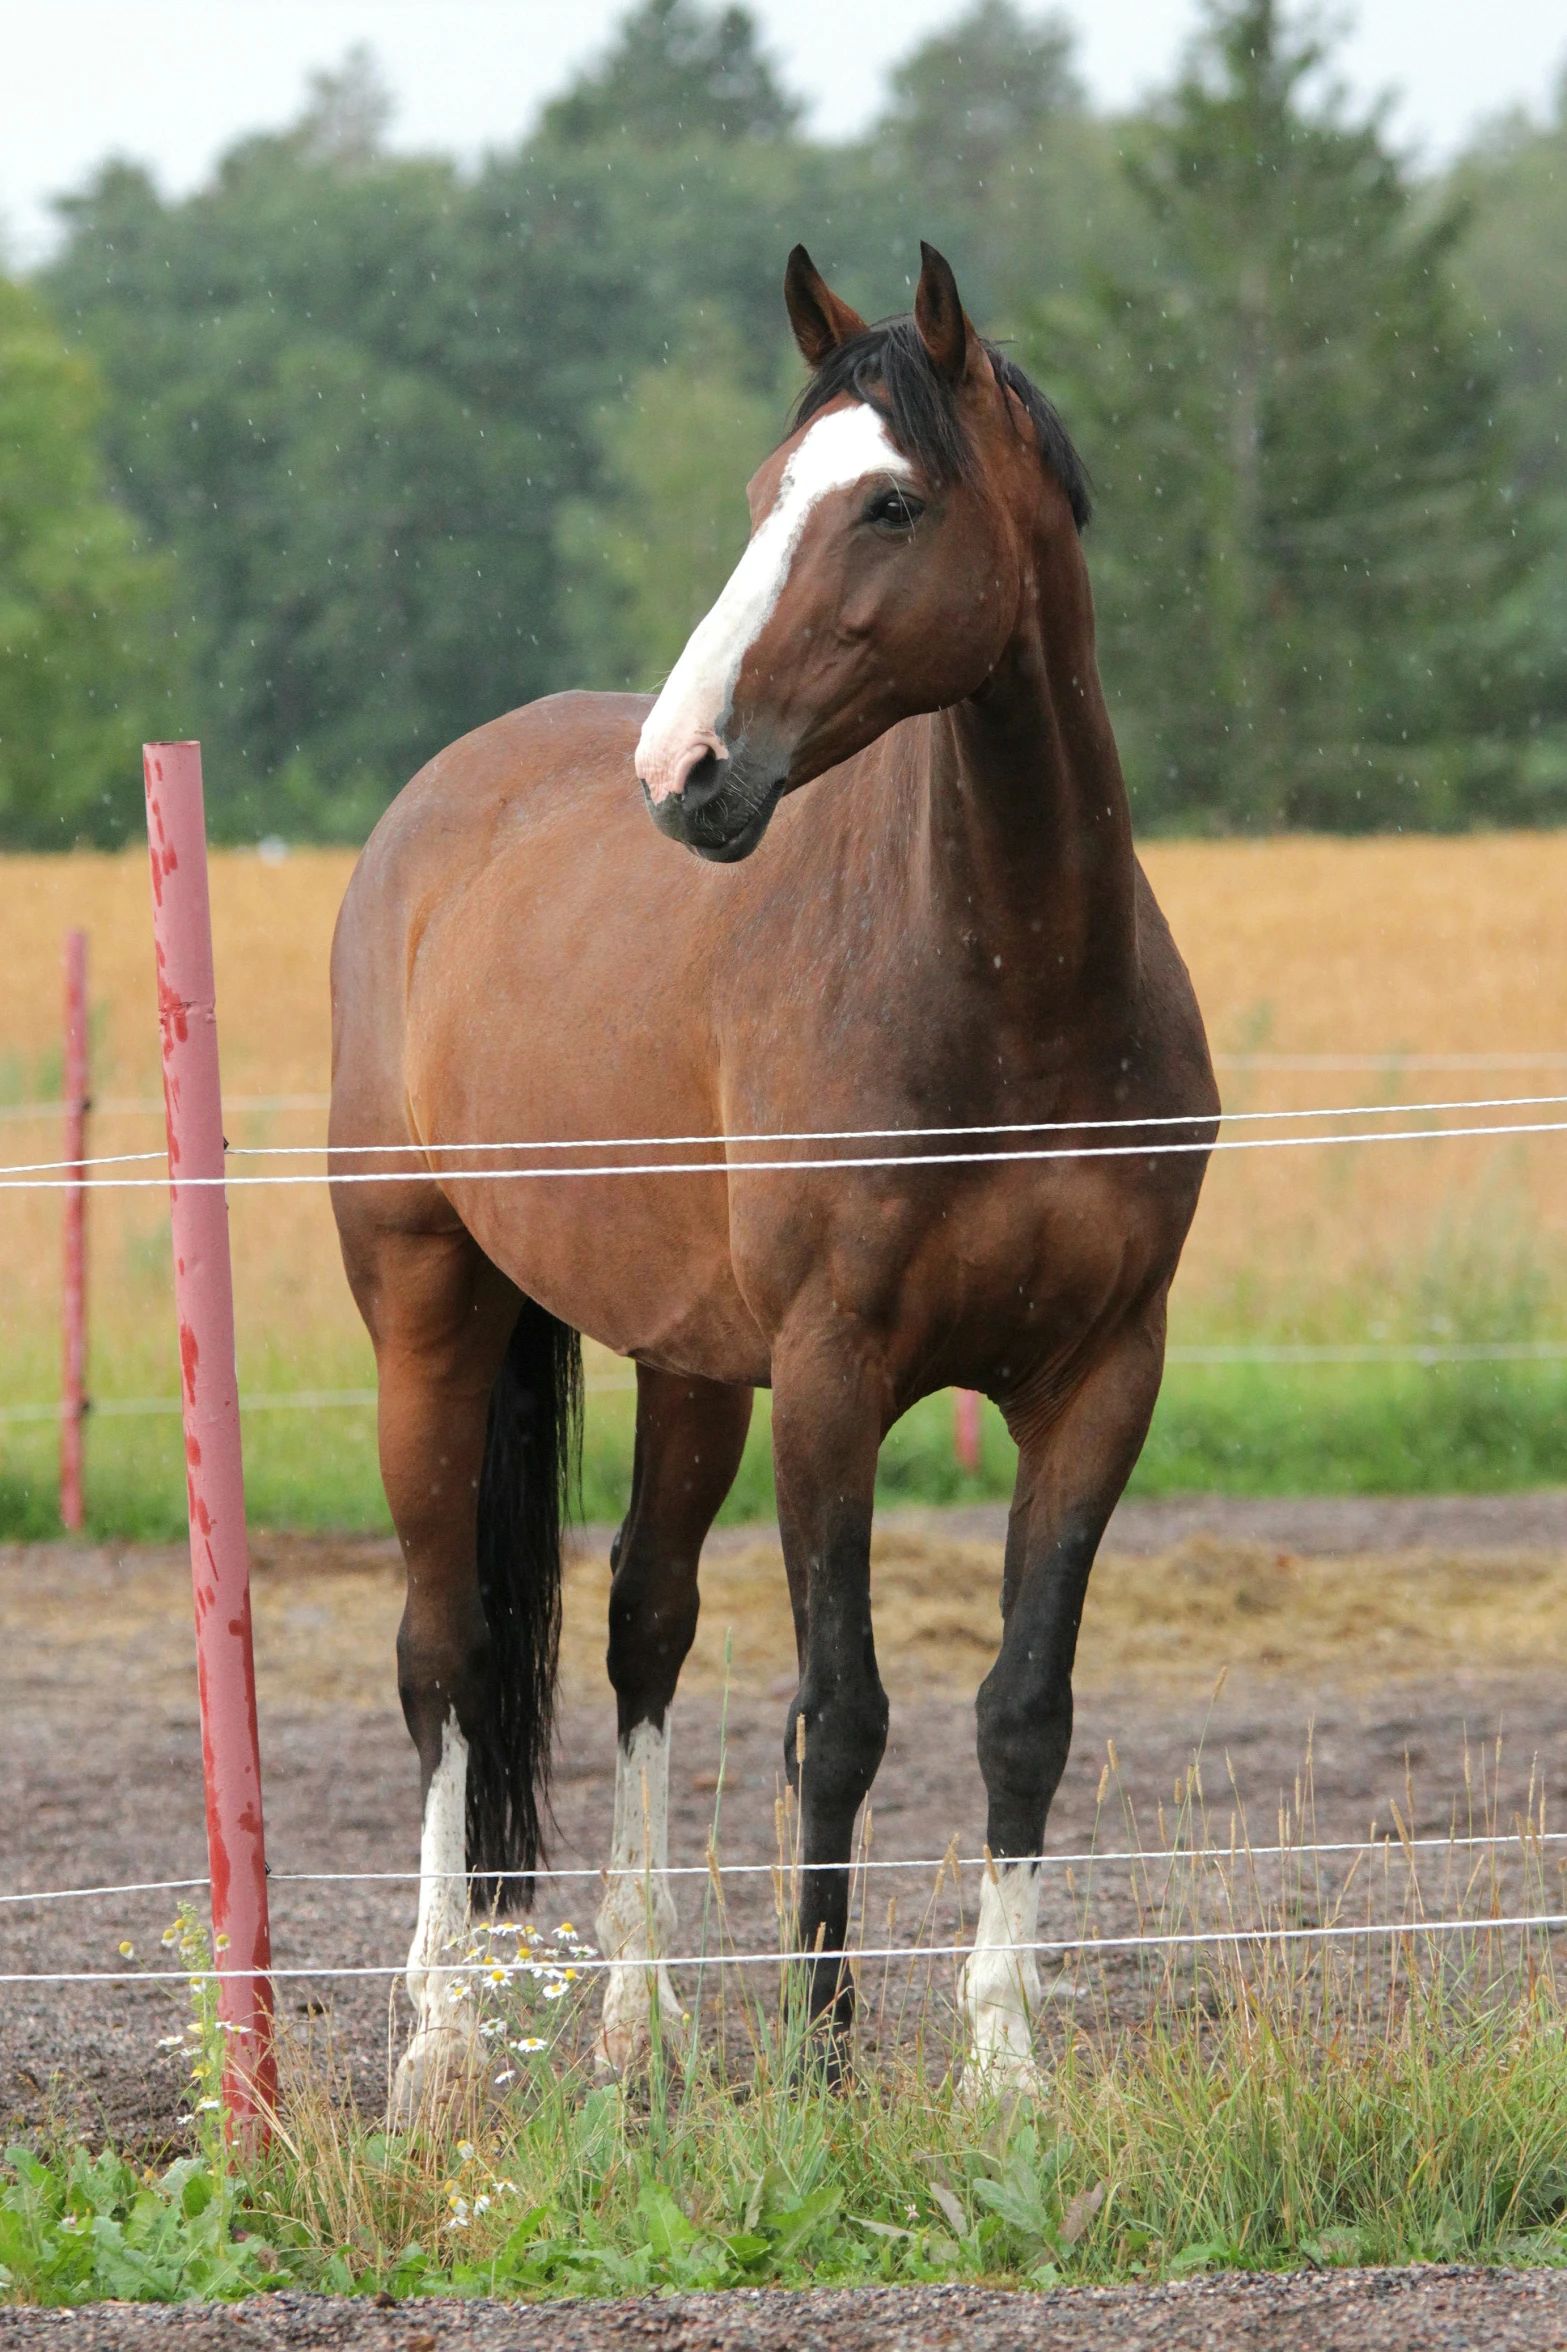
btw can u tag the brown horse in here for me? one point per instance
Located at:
(948, 931)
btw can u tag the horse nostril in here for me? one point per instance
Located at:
(702, 781)
(670, 776)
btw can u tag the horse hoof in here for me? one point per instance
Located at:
(620, 2055)
(1004, 2078)
(436, 2066)
(624, 2046)
(825, 2064)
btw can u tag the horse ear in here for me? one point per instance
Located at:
(938, 314)
(820, 321)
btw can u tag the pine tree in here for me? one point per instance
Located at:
(988, 139)
(1303, 522)
(967, 98)
(676, 72)
(1512, 261)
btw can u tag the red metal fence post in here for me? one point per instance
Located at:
(965, 1427)
(204, 1300)
(73, 1291)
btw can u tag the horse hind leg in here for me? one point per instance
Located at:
(442, 2048)
(476, 1396)
(690, 1436)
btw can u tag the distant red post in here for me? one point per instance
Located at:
(965, 1427)
(73, 1385)
(204, 1301)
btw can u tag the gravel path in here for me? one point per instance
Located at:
(1430, 2309)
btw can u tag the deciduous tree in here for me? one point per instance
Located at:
(86, 649)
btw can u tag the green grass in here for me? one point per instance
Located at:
(1225, 1429)
(1357, 1429)
(1161, 2162)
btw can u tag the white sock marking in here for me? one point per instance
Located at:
(636, 1919)
(840, 448)
(443, 1888)
(1000, 1989)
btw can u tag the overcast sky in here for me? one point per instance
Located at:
(173, 82)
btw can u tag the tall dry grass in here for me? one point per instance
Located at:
(1260, 2052)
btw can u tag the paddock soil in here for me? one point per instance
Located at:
(1388, 1635)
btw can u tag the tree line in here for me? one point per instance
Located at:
(349, 450)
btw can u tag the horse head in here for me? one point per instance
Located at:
(891, 548)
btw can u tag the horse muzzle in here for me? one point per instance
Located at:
(721, 810)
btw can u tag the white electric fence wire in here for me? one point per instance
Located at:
(538, 1957)
(1423, 1352)
(144, 1106)
(1504, 1102)
(1084, 1860)
(294, 1151)
(291, 1400)
(798, 1166)
(306, 1399)
(1417, 1351)
(1390, 1061)
(300, 1400)
(147, 1106)
(104, 1160)
(138, 1886)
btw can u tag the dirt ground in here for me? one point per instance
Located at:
(1389, 1634)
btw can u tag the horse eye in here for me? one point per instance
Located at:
(894, 511)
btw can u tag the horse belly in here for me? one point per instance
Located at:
(640, 1264)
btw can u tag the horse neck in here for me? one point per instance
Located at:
(1027, 823)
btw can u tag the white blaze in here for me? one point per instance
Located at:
(840, 448)
(999, 1988)
(636, 1919)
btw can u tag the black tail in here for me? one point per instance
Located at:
(532, 1459)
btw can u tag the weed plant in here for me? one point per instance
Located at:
(1265, 2098)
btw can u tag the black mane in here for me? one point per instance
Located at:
(889, 369)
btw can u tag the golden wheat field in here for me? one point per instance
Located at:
(1338, 949)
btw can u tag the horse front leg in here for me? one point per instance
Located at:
(690, 1436)
(828, 1417)
(1072, 1467)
